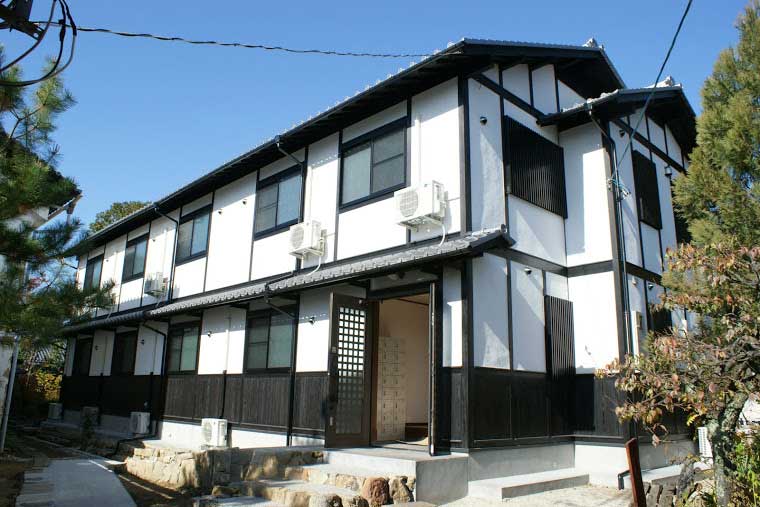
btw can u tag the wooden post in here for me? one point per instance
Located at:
(634, 467)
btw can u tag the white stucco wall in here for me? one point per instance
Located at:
(222, 344)
(452, 318)
(231, 233)
(587, 227)
(486, 164)
(528, 335)
(490, 318)
(536, 231)
(596, 338)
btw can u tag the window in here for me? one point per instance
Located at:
(269, 341)
(374, 164)
(124, 350)
(92, 272)
(536, 168)
(82, 353)
(278, 201)
(659, 319)
(647, 192)
(193, 235)
(183, 349)
(134, 259)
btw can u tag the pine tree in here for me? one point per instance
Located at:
(711, 370)
(38, 293)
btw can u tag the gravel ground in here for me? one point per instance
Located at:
(585, 496)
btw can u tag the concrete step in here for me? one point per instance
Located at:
(294, 493)
(513, 486)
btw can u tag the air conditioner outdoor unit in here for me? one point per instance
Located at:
(139, 423)
(306, 238)
(705, 448)
(89, 415)
(155, 284)
(55, 411)
(420, 205)
(214, 432)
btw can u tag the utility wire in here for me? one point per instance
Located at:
(168, 38)
(615, 179)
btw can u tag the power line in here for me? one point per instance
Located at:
(328, 52)
(615, 180)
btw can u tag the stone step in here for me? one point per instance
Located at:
(513, 486)
(238, 501)
(401, 487)
(293, 493)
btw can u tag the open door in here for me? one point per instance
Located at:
(349, 371)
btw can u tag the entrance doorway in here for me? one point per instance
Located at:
(401, 371)
(380, 373)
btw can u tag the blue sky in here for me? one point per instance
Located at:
(152, 116)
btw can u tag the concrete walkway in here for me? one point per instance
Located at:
(74, 483)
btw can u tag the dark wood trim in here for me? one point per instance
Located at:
(506, 94)
(465, 179)
(208, 238)
(468, 360)
(190, 216)
(590, 269)
(643, 273)
(650, 146)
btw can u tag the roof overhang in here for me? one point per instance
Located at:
(668, 107)
(585, 69)
(411, 257)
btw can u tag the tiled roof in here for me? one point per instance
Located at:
(406, 258)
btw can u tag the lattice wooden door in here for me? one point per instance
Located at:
(348, 421)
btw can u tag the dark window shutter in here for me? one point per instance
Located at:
(682, 229)
(647, 192)
(560, 347)
(536, 167)
(659, 319)
(560, 363)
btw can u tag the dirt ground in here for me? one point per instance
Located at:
(21, 454)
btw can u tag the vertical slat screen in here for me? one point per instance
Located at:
(560, 367)
(647, 191)
(536, 167)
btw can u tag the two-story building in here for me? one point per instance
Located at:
(532, 257)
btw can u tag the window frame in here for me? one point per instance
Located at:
(141, 273)
(275, 181)
(401, 124)
(205, 210)
(647, 186)
(268, 314)
(521, 181)
(117, 353)
(181, 327)
(75, 372)
(91, 261)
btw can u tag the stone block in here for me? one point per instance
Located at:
(375, 491)
(325, 501)
(348, 482)
(399, 491)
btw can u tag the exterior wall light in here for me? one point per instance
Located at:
(483, 120)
